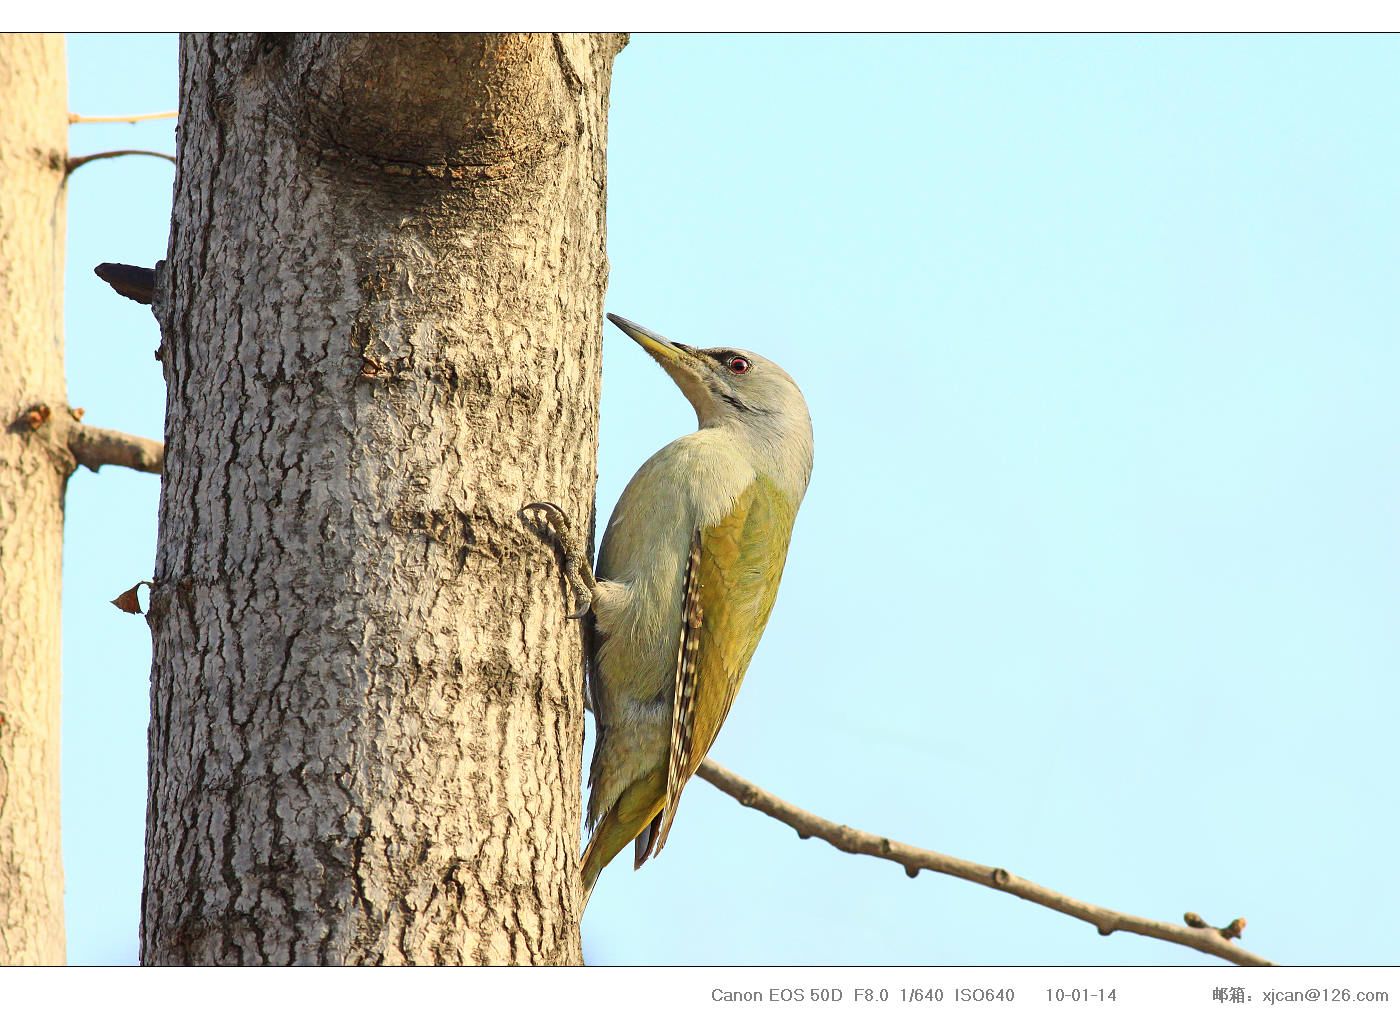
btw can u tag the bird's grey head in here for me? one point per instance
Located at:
(726, 385)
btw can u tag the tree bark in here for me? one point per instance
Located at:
(34, 470)
(381, 317)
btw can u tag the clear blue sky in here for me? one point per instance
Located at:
(1099, 571)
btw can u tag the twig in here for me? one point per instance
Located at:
(93, 447)
(858, 842)
(81, 160)
(136, 283)
(134, 118)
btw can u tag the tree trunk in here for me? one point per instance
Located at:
(34, 470)
(381, 329)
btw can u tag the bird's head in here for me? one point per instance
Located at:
(725, 385)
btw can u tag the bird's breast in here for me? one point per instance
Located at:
(689, 484)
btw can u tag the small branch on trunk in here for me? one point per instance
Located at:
(65, 436)
(93, 447)
(1196, 934)
(136, 283)
(134, 118)
(81, 160)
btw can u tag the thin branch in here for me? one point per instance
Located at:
(134, 118)
(93, 447)
(858, 842)
(81, 160)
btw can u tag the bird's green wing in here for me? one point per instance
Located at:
(731, 583)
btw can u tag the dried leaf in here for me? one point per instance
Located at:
(127, 601)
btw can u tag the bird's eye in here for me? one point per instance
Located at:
(738, 364)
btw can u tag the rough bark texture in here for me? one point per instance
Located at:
(34, 470)
(381, 319)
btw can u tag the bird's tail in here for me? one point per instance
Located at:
(630, 815)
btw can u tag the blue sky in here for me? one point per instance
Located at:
(1098, 573)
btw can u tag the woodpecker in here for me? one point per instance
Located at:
(687, 575)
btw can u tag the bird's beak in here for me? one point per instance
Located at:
(659, 348)
(681, 362)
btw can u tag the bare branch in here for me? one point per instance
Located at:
(136, 283)
(81, 160)
(134, 118)
(1197, 935)
(93, 447)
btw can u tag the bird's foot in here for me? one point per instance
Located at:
(577, 569)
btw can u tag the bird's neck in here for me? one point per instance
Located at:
(777, 445)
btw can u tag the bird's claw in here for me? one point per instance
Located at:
(551, 510)
(577, 570)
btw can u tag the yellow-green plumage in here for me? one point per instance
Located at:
(740, 564)
(686, 579)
